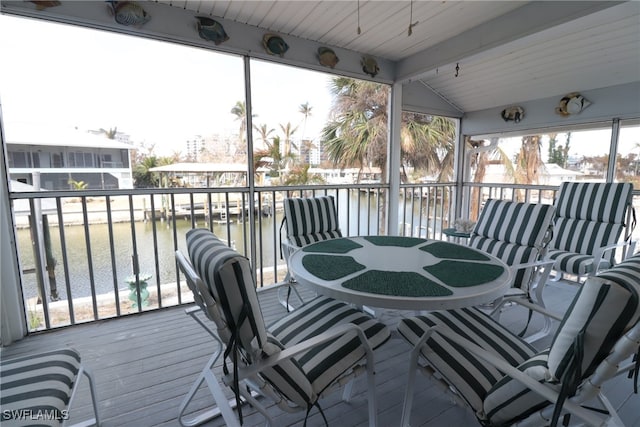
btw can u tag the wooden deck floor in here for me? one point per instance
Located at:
(145, 364)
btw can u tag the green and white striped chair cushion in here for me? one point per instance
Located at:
(571, 262)
(524, 224)
(41, 384)
(626, 273)
(594, 201)
(230, 279)
(471, 376)
(311, 220)
(604, 309)
(588, 216)
(303, 378)
(514, 232)
(509, 400)
(325, 363)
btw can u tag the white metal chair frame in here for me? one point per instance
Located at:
(617, 363)
(288, 247)
(248, 375)
(600, 260)
(95, 421)
(532, 290)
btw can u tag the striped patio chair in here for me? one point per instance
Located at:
(39, 389)
(506, 381)
(306, 220)
(589, 221)
(303, 356)
(517, 233)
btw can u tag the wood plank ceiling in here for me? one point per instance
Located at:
(594, 50)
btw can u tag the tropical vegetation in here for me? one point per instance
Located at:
(357, 135)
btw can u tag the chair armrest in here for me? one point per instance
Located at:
(516, 299)
(540, 263)
(289, 352)
(513, 372)
(598, 254)
(547, 265)
(287, 249)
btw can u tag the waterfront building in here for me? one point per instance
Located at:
(62, 157)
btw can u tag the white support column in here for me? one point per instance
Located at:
(12, 322)
(393, 162)
(613, 150)
(250, 172)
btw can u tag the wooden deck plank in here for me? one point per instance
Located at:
(144, 365)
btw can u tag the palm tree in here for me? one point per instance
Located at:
(240, 111)
(142, 175)
(356, 135)
(78, 185)
(528, 162)
(272, 157)
(300, 175)
(428, 143)
(264, 133)
(305, 110)
(480, 162)
(288, 130)
(109, 134)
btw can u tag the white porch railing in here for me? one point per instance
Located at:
(99, 254)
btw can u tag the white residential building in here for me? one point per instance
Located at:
(64, 155)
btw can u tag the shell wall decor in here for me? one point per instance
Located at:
(370, 66)
(572, 103)
(274, 44)
(211, 30)
(327, 57)
(129, 13)
(514, 113)
(41, 5)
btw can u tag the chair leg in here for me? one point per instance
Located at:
(94, 398)
(408, 395)
(289, 289)
(223, 407)
(348, 391)
(371, 384)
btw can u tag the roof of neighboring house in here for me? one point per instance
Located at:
(22, 206)
(33, 134)
(201, 167)
(550, 174)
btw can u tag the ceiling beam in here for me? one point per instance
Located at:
(529, 19)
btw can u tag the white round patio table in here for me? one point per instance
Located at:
(405, 273)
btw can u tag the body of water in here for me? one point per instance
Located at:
(99, 267)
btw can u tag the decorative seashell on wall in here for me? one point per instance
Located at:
(274, 44)
(370, 66)
(327, 57)
(211, 30)
(129, 13)
(41, 5)
(572, 103)
(514, 113)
